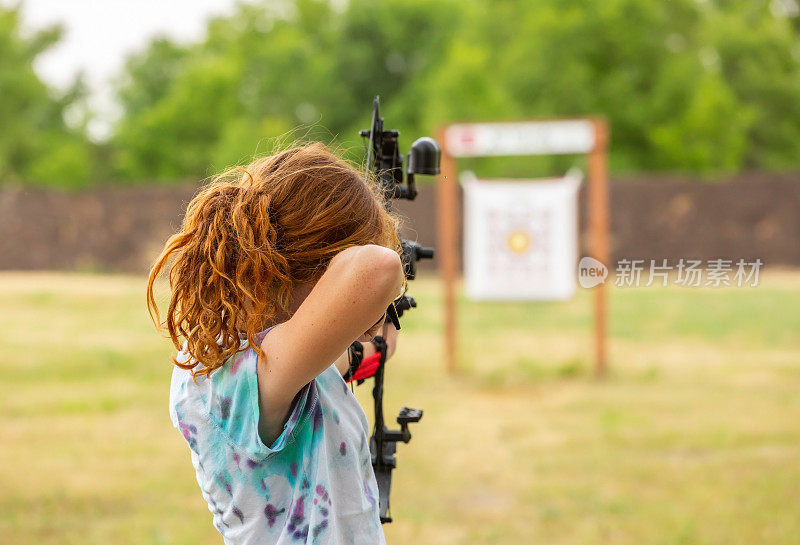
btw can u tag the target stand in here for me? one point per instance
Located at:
(587, 136)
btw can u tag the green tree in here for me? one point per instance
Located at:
(36, 145)
(269, 68)
(704, 87)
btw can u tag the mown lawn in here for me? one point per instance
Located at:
(692, 438)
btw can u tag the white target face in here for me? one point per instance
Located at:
(520, 238)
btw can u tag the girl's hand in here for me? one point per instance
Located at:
(386, 330)
(374, 330)
(389, 334)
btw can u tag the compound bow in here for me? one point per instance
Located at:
(386, 162)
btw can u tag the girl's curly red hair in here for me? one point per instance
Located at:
(253, 234)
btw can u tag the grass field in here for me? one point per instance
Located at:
(694, 437)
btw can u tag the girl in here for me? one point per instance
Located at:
(274, 275)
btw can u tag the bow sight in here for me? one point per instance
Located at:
(384, 159)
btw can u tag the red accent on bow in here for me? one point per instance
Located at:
(367, 368)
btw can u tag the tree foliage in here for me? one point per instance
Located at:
(36, 145)
(703, 86)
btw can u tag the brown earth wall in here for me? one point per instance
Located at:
(123, 228)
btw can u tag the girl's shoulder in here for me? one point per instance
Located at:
(228, 400)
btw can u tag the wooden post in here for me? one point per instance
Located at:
(598, 226)
(447, 247)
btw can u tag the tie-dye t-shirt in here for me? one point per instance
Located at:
(314, 484)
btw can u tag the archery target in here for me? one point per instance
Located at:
(520, 238)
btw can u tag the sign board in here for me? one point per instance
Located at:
(521, 238)
(520, 138)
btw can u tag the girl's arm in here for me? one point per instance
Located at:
(354, 291)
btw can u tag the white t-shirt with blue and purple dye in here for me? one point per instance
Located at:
(314, 484)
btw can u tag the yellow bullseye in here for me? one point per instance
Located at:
(518, 241)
